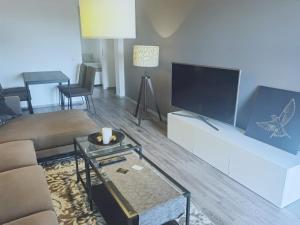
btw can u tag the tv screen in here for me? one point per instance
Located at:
(211, 92)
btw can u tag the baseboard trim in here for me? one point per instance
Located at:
(77, 103)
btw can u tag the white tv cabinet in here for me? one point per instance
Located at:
(268, 171)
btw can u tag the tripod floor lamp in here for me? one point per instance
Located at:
(145, 56)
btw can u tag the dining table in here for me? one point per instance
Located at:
(46, 77)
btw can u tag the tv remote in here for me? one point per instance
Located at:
(110, 161)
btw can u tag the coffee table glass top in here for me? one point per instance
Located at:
(94, 151)
(138, 185)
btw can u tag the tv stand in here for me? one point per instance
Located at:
(199, 117)
(268, 171)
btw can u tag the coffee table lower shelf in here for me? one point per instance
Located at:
(109, 208)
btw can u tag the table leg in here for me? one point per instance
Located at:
(76, 161)
(88, 183)
(62, 102)
(29, 99)
(69, 85)
(188, 207)
(60, 98)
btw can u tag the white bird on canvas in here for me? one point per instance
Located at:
(277, 126)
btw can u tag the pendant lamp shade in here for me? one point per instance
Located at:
(107, 19)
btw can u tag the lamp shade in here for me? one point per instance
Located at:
(107, 19)
(145, 56)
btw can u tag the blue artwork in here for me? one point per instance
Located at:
(275, 119)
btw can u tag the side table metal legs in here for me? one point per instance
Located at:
(29, 99)
(88, 183)
(70, 103)
(62, 99)
(142, 104)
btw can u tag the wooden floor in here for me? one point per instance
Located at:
(222, 199)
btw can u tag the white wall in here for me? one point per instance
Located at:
(38, 35)
(92, 47)
(102, 51)
(108, 64)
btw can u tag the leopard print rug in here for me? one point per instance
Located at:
(70, 200)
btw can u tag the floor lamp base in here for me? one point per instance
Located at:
(141, 107)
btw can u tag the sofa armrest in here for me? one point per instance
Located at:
(14, 103)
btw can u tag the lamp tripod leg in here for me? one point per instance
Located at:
(154, 97)
(140, 117)
(142, 108)
(139, 98)
(145, 95)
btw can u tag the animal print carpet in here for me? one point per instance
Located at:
(69, 197)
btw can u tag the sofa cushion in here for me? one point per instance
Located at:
(13, 102)
(48, 130)
(16, 154)
(6, 113)
(24, 192)
(41, 218)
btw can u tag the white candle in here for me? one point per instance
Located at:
(106, 134)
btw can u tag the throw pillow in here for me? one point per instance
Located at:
(5, 112)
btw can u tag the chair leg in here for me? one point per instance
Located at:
(30, 106)
(62, 100)
(87, 103)
(93, 104)
(69, 103)
(59, 98)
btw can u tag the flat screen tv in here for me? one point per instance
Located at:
(208, 91)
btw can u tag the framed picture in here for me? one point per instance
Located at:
(275, 119)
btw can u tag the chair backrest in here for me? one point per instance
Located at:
(82, 73)
(90, 79)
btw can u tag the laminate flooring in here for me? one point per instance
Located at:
(222, 199)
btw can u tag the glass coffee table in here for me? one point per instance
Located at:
(133, 191)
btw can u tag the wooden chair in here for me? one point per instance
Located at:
(85, 91)
(79, 84)
(81, 78)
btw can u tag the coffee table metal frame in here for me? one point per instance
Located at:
(89, 164)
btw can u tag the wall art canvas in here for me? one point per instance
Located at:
(275, 119)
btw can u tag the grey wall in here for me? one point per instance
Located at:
(38, 35)
(261, 37)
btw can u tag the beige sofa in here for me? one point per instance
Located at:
(52, 133)
(24, 194)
